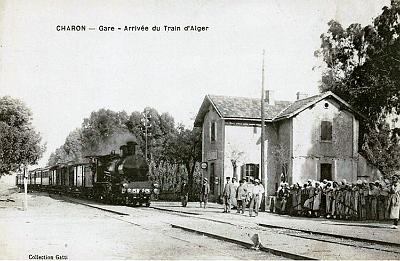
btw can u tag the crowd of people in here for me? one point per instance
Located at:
(235, 194)
(362, 200)
(242, 194)
(379, 200)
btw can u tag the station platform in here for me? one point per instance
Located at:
(364, 231)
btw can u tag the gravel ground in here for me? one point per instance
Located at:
(54, 227)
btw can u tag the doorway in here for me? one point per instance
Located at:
(326, 171)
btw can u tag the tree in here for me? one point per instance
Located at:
(71, 150)
(362, 65)
(170, 148)
(382, 149)
(282, 156)
(235, 155)
(185, 148)
(20, 144)
(103, 131)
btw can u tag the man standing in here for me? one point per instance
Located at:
(258, 191)
(184, 194)
(235, 186)
(205, 189)
(241, 194)
(227, 195)
(395, 200)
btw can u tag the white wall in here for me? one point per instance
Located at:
(309, 151)
(241, 139)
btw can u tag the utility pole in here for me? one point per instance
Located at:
(146, 129)
(25, 188)
(263, 177)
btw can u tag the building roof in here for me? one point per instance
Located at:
(243, 108)
(293, 107)
(300, 105)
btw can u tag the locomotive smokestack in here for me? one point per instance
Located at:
(131, 147)
(123, 150)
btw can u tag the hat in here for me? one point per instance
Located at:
(257, 180)
(234, 178)
(228, 177)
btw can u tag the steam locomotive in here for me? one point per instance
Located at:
(113, 178)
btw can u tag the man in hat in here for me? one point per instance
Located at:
(205, 189)
(258, 191)
(241, 194)
(227, 195)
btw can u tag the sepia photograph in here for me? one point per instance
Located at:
(199, 130)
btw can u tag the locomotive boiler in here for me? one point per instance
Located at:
(123, 178)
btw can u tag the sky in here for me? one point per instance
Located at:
(64, 76)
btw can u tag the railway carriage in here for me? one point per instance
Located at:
(45, 177)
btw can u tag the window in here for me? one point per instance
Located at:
(213, 131)
(326, 131)
(250, 170)
(212, 177)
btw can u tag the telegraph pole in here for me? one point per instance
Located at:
(263, 177)
(146, 131)
(25, 188)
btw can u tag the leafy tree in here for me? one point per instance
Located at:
(282, 156)
(104, 131)
(71, 150)
(362, 65)
(19, 142)
(236, 156)
(185, 149)
(381, 147)
(169, 148)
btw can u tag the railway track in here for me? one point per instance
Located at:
(389, 248)
(127, 218)
(323, 245)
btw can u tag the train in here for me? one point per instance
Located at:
(115, 178)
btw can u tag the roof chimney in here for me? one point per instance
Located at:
(269, 97)
(301, 95)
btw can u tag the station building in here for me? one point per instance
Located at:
(311, 138)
